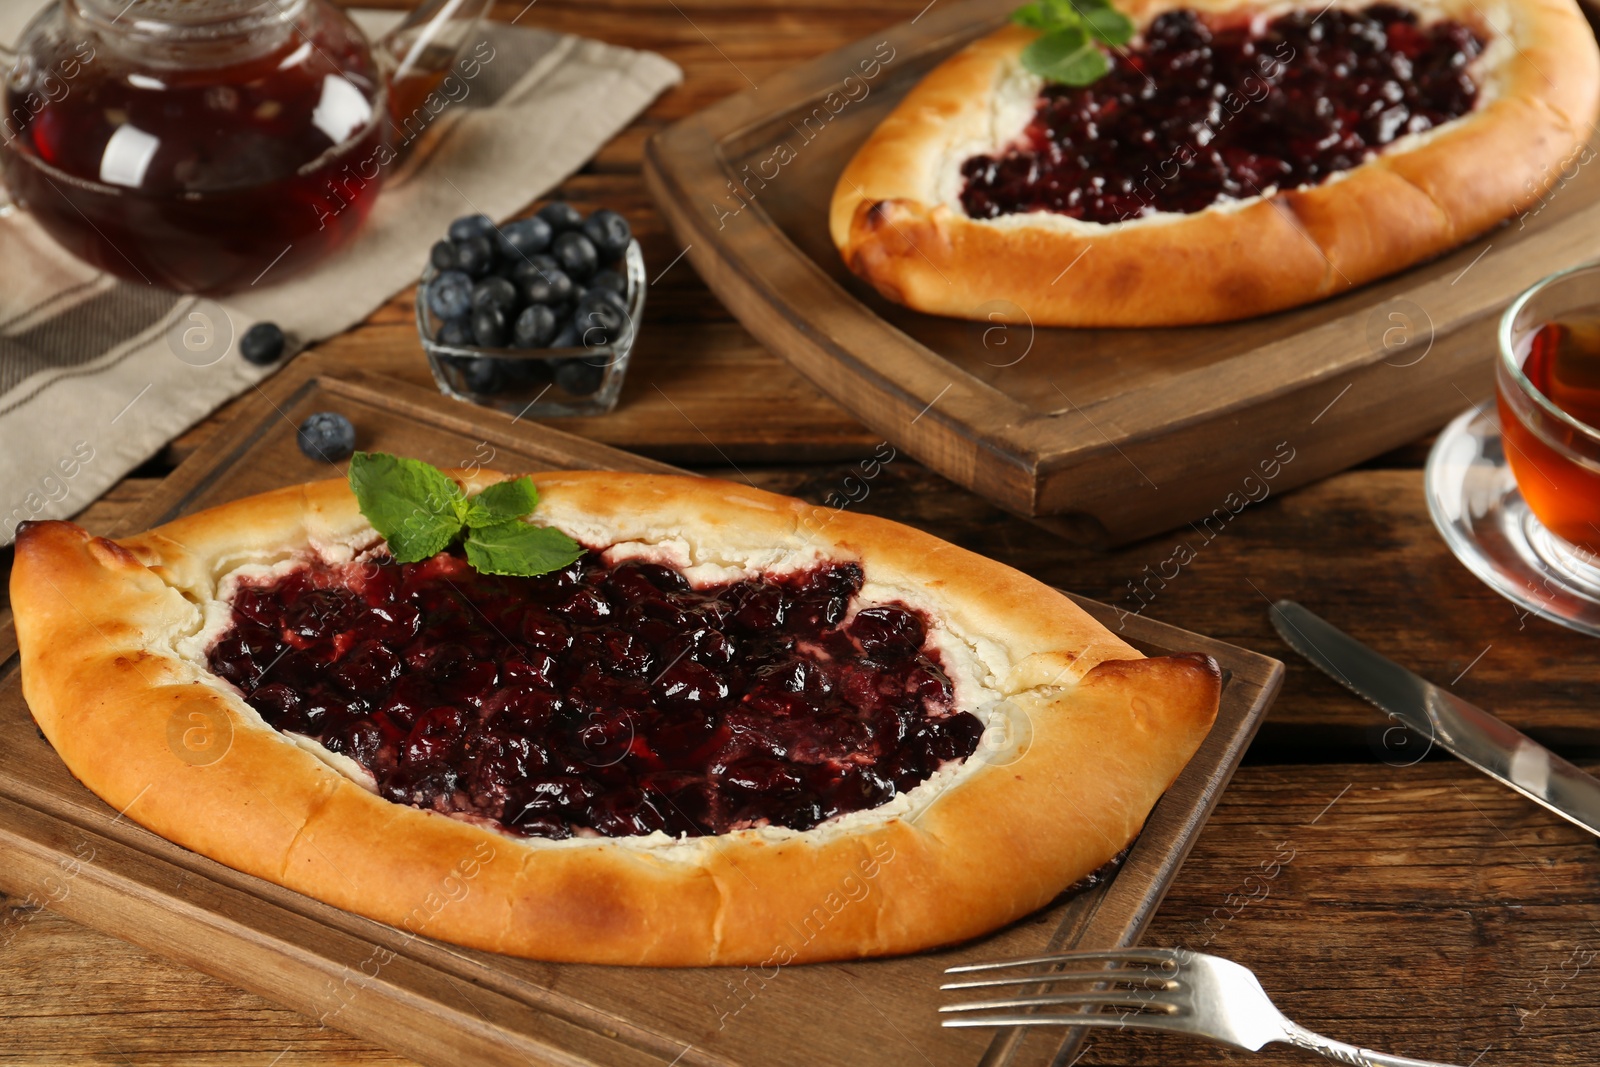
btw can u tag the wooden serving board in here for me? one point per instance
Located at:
(442, 1005)
(1105, 434)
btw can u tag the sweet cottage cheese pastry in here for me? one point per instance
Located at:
(730, 714)
(1236, 159)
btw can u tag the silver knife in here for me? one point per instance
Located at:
(1464, 730)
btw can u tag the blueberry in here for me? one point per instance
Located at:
(610, 279)
(609, 232)
(326, 435)
(442, 255)
(474, 255)
(576, 254)
(561, 216)
(579, 377)
(481, 374)
(450, 294)
(529, 373)
(489, 327)
(261, 343)
(457, 332)
(550, 287)
(534, 327)
(524, 269)
(599, 323)
(566, 337)
(494, 292)
(471, 226)
(610, 297)
(524, 237)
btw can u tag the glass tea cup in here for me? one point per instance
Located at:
(1547, 389)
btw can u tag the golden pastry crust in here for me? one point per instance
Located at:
(896, 220)
(1087, 737)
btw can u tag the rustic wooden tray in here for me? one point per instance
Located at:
(65, 849)
(1111, 434)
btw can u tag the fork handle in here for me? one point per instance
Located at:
(1340, 1052)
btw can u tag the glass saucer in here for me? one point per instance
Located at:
(1474, 501)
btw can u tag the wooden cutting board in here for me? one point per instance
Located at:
(444, 1005)
(1107, 435)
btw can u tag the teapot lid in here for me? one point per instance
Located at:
(187, 21)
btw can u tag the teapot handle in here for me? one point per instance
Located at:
(430, 38)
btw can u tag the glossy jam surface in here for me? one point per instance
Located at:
(1563, 363)
(1204, 110)
(615, 700)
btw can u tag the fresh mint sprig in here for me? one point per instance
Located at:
(1072, 31)
(420, 511)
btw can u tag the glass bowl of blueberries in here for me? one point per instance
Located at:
(536, 316)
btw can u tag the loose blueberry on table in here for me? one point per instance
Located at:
(555, 280)
(326, 435)
(604, 698)
(262, 344)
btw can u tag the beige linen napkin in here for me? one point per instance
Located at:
(97, 374)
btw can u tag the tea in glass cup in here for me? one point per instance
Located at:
(1547, 386)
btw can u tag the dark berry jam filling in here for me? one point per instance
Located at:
(609, 699)
(1206, 110)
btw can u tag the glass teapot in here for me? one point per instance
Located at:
(209, 145)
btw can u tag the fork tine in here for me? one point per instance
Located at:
(1129, 955)
(1159, 1023)
(1148, 978)
(1169, 1005)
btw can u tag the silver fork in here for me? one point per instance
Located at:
(1169, 990)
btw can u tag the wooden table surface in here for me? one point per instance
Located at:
(1416, 907)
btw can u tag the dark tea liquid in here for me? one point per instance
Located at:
(204, 180)
(1563, 363)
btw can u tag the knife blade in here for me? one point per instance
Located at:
(1464, 730)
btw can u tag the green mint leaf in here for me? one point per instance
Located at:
(502, 502)
(420, 511)
(1108, 25)
(1047, 15)
(1035, 16)
(413, 505)
(1067, 56)
(516, 548)
(1066, 52)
